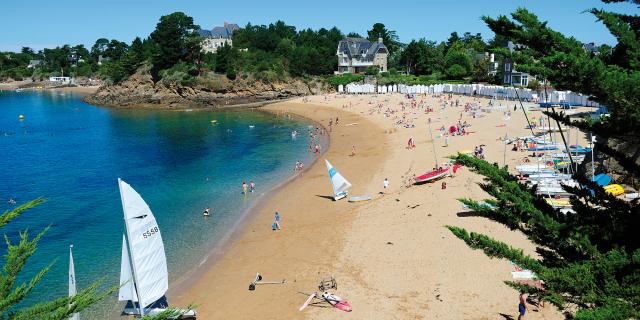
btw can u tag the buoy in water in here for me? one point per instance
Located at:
(21, 117)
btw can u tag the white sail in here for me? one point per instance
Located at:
(339, 183)
(145, 245)
(127, 289)
(72, 281)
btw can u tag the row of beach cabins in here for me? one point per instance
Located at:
(565, 99)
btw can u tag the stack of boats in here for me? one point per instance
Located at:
(554, 167)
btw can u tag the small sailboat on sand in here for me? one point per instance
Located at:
(338, 182)
(437, 173)
(144, 279)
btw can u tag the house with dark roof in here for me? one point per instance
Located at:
(355, 55)
(34, 63)
(217, 37)
(510, 75)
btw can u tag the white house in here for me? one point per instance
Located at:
(355, 55)
(217, 37)
(34, 63)
(511, 76)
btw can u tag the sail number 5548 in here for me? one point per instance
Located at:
(150, 232)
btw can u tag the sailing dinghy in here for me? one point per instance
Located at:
(144, 279)
(72, 282)
(338, 182)
(432, 176)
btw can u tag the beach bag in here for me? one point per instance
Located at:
(274, 226)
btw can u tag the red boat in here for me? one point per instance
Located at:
(432, 176)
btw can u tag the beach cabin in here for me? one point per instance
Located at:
(355, 55)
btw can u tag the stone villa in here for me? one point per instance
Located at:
(217, 37)
(355, 55)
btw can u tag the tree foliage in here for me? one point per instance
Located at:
(589, 258)
(176, 40)
(13, 293)
(389, 37)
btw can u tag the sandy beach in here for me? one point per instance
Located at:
(392, 257)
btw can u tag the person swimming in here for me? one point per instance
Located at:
(206, 212)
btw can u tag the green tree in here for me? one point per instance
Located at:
(590, 259)
(453, 39)
(99, 47)
(389, 37)
(175, 39)
(422, 57)
(225, 58)
(457, 62)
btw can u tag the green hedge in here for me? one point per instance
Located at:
(344, 79)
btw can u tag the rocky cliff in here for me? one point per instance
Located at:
(208, 90)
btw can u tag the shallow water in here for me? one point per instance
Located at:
(72, 154)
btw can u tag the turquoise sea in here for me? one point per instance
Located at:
(72, 154)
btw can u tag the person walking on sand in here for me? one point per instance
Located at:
(353, 150)
(522, 306)
(277, 220)
(385, 184)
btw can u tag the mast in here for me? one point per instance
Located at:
(134, 273)
(433, 144)
(504, 155)
(593, 163)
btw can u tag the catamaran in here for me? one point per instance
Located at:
(72, 281)
(338, 182)
(144, 279)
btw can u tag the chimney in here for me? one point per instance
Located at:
(379, 39)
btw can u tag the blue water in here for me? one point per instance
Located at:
(72, 153)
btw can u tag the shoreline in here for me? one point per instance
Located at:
(182, 284)
(76, 89)
(314, 177)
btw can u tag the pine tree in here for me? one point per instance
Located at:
(13, 293)
(590, 259)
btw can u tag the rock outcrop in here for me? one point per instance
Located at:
(209, 90)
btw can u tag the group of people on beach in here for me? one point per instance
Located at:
(478, 151)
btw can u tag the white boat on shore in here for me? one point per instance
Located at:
(552, 190)
(548, 176)
(338, 182)
(528, 169)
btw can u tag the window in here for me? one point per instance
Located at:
(507, 66)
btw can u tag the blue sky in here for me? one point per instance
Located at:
(46, 23)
